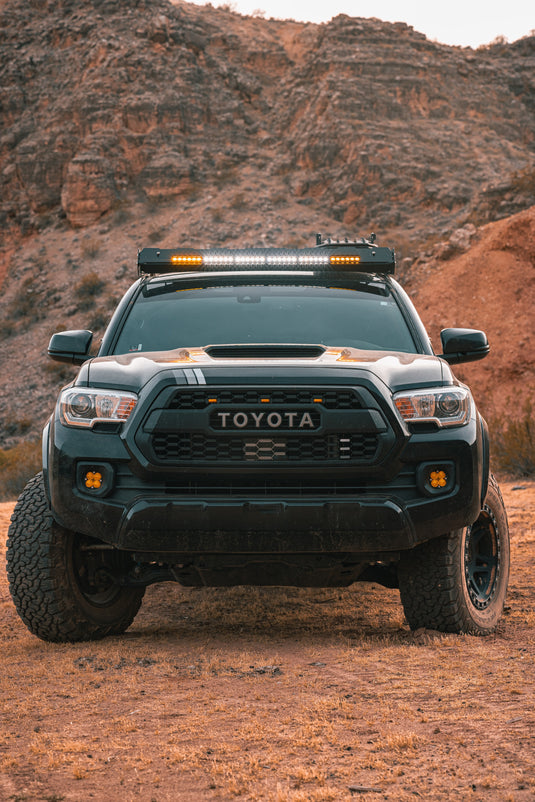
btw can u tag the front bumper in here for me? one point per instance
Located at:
(274, 526)
(362, 524)
(374, 516)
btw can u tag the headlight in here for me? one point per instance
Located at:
(444, 406)
(85, 406)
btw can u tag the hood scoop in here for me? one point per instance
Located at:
(265, 351)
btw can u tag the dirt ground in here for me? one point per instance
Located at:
(275, 694)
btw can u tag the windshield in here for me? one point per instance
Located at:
(167, 317)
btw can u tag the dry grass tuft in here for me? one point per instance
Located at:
(513, 443)
(17, 465)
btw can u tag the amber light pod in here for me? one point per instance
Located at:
(186, 260)
(344, 259)
(93, 480)
(438, 479)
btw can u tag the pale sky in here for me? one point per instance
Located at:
(468, 23)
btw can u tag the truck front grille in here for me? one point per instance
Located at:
(330, 398)
(259, 427)
(184, 447)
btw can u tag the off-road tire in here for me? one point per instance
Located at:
(45, 567)
(458, 582)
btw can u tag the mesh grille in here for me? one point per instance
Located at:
(175, 448)
(200, 399)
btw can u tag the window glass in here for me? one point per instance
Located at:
(169, 317)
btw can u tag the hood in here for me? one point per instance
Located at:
(215, 365)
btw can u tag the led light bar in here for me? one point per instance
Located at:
(186, 260)
(361, 256)
(349, 259)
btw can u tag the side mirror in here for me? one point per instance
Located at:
(463, 345)
(70, 346)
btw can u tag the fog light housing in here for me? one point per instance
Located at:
(94, 479)
(436, 478)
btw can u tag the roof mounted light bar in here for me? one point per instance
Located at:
(359, 255)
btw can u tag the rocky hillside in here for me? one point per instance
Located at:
(489, 284)
(134, 123)
(105, 100)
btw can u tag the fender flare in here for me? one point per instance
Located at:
(485, 459)
(44, 451)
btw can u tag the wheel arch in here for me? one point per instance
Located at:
(485, 459)
(45, 450)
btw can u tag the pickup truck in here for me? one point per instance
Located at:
(263, 416)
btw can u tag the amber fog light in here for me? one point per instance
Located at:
(436, 478)
(94, 479)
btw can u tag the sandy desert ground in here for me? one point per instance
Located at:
(275, 694)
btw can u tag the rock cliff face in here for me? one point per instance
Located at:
(105, 99)
(137, 123)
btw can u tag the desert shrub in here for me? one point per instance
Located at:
(524, 180)
(279, 198)
(7, 329)
(226, 175)
(13, 426)
(112, 303)
(122, 215)
(23, 310)
(157, 235)
(91, 285)
(60, 372)
(17, 466)
(239, 202)
(71, 264)
(90, 247)
(24, 305)
(98, 322)
(513, 444)
(88, 288)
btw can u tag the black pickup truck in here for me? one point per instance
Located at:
(265, 416)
